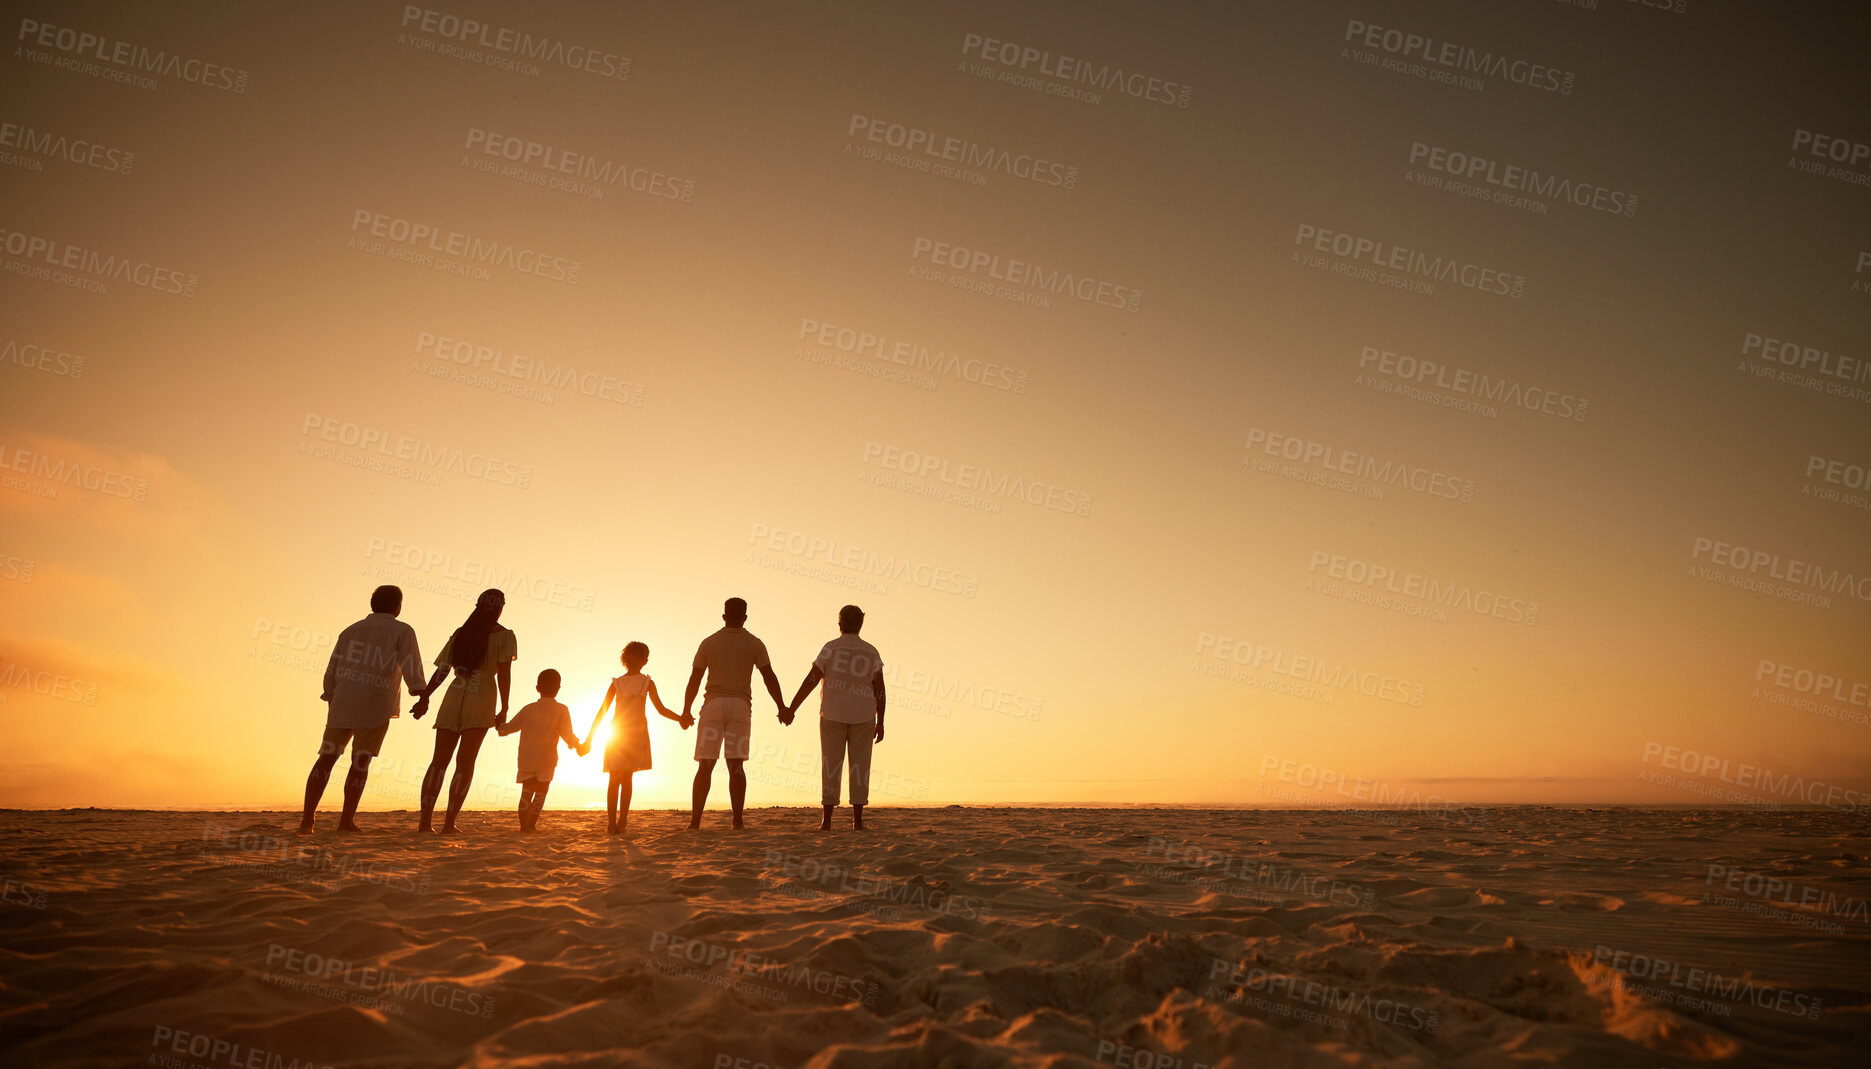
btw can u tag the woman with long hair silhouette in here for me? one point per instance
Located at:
(481, 655)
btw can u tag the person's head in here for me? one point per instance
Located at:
(635, 656)
(549, 683)
(850, 620)
(468, 648)
(387, 599)
(734, 611)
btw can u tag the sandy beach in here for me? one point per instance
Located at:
(942, 937)
(959, 936)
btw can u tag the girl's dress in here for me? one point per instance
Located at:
(469, 703)
(629, 747)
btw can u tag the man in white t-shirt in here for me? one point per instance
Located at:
(371, 662)
(851, 712)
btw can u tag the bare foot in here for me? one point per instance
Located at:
(305, 826)
(448, 829)
(738, 826)
(348, 825)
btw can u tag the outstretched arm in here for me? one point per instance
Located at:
(411, 653)
(599, 719)
(657, 700)
(773, 687)
(695, 687)
(806, 686)
(422, 700)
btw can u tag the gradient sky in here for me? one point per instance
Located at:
(166, 651)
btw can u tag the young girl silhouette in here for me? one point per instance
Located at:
(628, 751)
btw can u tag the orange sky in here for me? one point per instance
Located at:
(766, 372)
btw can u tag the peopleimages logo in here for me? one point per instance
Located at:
(57, 471)
(376, 980)
(133, 57)
(1805, 357)
(1790, 570)
(408, 450)
(16, 676)
(1389, 472)
(44, 358)
(452, 243)
(51, 146)
(476, 575)
(1028, 59)
(509, 42)
(558, 161)
(1808, 690)
(979, 479)
(1839, 158)
(1838, 472)
(1699, 981)
(917, 358)
(1311, 669)
(518, 368)
(1813, 683)
(93, 271)
(864, 562)
(1803, 897)
(1313, 777)
(1434, 374)
(1021, 273)
(963, 152)
(1459, 58)
(1512, 178)
(1757, 778)
(1365, 255)
(1387, 580)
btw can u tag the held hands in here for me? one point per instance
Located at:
(421, 707)
(786, 714)
(686, 720)
(584, 747)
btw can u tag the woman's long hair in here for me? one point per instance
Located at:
(468, 648)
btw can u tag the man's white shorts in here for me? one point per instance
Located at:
(726, 723)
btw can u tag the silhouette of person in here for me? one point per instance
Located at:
(371, 661)
(728, 657)
(542, 726)
(851, 712)
(628, 751)
(481, 655)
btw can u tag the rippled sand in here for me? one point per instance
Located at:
(964, 937)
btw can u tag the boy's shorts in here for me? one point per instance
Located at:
(726, 724)
(363, 740)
